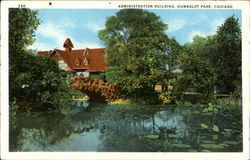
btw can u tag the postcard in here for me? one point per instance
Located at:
(125, 80)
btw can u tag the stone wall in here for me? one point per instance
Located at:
(98, 90)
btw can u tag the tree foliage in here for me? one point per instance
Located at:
(198, 74)
(41, 76)
(212, 64)
(136, 43)
(32, 78)
(227, 56)
(22, 25)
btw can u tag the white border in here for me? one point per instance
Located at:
(5, 154)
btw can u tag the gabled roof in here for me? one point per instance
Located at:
(88, 59)
(42, 53)
(95, 58)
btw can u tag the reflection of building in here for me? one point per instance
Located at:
(82, 61)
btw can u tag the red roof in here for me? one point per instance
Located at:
(92, 61)
(89, 59)
(42, 53)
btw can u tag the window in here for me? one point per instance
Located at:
(77, 62)
(85, 61)
(86, 52)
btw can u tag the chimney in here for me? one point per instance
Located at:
(68, 45)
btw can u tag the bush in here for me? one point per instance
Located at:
(166, 97)
(13, 112)
(41, 80)
(231, 105)
(96, 76)
(151, 98)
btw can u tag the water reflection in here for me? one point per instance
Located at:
(114, 128)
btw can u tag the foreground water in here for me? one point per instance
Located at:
(103, 127)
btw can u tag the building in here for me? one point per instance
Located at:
(85, 62)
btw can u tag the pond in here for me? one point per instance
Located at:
(111, 128)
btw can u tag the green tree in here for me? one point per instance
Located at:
(198, 74)
(173, 51)
(40, 76)
(22, 25)
(33, 78)
(227, 56)
(136, 44)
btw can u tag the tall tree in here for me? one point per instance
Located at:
(33, 78)
(136, 44)
(22, 25)
(227, 56)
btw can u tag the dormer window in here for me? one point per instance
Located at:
(85, 61)
(77, 62)
(86, 52)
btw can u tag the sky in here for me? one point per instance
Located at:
(82, 25)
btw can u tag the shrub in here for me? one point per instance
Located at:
(42, 81)
(13, 110)
(96, 76)
(166, 97)
(231, 105)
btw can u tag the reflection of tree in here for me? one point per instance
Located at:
(124, 135)
(43, 131)
(118, 129)
(128, 133)
(39, 132)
